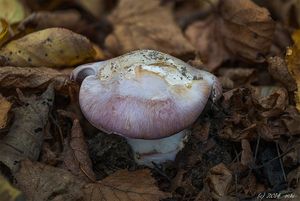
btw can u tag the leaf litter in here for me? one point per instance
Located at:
(241, 147)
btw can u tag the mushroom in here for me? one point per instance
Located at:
(148, 97)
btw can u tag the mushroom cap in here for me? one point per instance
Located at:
(144, 94)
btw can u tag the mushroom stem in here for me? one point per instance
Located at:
(147, 152)
(85, 70)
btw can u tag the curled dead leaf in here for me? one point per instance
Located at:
(53, 47)
(146, 25)
(33, 78)
(271, 100)
(239, 29)
(293, 63)
(125, 185)
(4, 31)
(5, 107)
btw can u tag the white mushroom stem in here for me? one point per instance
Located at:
(147, 152)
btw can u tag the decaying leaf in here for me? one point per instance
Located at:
(271, 100)
(12, 11)
(287, 11)
(247, 155)
(95, 7)
(53, 47)
(279, 71)
(291, 119)
(219, 180)
(238, 29)
(8, 192)
(125, 185)
(293, 63)
(5, 107)
(25, 137)
(137, 26)
(76, 156)
(32, 78)
(41, 20)
(43, 182)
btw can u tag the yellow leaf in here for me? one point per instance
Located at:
(12, 11)
(293, 62)
(8, 192)
(53, 47)
(3, 31)
(4, 109)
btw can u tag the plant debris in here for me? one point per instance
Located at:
(246, 146)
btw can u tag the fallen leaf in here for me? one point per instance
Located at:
(43, 182)
(247, 155)
(291, 119)
(76, 156)
(95, 7)
(287, 11)
(239, 76)
(239, 29)
(12, 11)
(53, 47)
(25, 137)
(69, 19)
(125, 185)
(293, 63)
(4, 31)
(8, 192)
(219, 180)
(278, 69)
(137, 26)
(5, 107)
(32, 78)
(271, 100)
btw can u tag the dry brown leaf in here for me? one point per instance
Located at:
(69, 19)
(43, 182)
(239, 76)
(293, 63)
(288, 11)
(291, 119)
(239, 29)
(5, 107)
(219, 180)
(53, 47)
(95, 7)
(33, 78)
(146, 24)
(247, 155)
(271, 100)
(76, 156)
(279, 71)
(124, 185)
(25, 137)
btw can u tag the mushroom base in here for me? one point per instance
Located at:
(147, 152)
